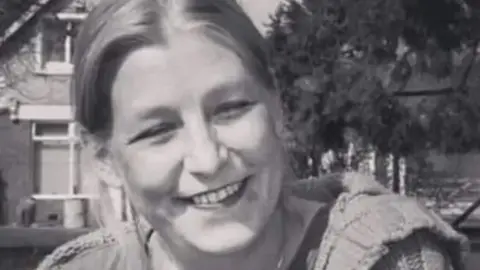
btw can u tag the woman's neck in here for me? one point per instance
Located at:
(279, 241)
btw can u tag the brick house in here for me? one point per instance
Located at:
(38, 146)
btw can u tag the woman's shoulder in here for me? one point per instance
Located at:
(386, 217)
(365, 226)
(95, 249)
(365, 219)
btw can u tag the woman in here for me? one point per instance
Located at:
(178, 108)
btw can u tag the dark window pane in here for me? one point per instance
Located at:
(55, 33)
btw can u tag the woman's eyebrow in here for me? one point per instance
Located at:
(155, 112)
(228, 88)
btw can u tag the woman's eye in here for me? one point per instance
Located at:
(160, 133)
(232, 109)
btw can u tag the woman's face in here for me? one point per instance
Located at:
(194, 137)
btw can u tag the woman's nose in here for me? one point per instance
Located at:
(206, 155)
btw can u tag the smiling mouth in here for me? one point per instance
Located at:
(220, 195)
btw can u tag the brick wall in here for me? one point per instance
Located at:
(18, 65)
(15, 165)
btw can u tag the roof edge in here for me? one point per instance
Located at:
(22, 20)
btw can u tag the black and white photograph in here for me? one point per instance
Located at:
(239, 134)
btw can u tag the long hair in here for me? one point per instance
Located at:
(116, 27)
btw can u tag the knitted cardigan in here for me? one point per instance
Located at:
(368, 229)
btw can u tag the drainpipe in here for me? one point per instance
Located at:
(9, 105)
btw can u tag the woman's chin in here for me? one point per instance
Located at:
(223, 241)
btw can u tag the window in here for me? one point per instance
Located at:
(55, 42)
(56, 150)
(47, 131)
(57, 172)
(56, 165)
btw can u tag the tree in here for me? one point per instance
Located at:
(341, 64)
(11, 10)
(19, 40)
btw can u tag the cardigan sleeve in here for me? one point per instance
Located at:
(420, 251)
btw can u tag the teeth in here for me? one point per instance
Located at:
(229, 190)
(217, 195)
(222, 194)
(212, 196)
(197, 200)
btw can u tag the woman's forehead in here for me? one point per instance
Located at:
(182, 51)
(181, 71)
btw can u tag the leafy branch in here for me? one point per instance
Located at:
(350, 59)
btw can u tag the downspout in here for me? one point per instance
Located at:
(9, 105)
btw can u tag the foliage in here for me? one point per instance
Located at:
(19, 65)
(341, 63)
(11, 10)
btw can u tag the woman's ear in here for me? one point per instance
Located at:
(100, 161)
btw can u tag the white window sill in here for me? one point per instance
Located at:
(55, 69)
(53, 139)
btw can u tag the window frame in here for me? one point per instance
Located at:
(71, 139)
(44, 66)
